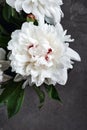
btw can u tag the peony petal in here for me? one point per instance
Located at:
(49, 20)
(73, 54)
(63, 77)
(27, 6)
(18, 5)
(11, 3)
(22, 58)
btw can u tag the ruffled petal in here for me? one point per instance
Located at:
(73, 54)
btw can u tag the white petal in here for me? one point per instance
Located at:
(18, 5)
(73, 54)
(49, 20)
(62, 76)
(10, 2)
(22, 58)
(27, 7)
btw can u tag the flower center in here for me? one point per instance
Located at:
(47, 54)
(30, 46)
(35, 50)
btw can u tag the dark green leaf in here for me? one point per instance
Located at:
(52, 92)
(8, 90)
(7, 12)
(14, 13)
(3, 31)
(4, 40)
(40, 94)
(15, 101)
(12, 96)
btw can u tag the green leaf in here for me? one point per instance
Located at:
(40, 94)
(12, 17)
(52, 92)
(12, 96)
(8, 90)
(4, 40)
(3, 31)
(15, 101)
(7, 12)
(14, 13)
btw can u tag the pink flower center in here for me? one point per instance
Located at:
(30, 46)
(47, 54)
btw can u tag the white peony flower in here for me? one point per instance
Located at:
(40, 8)
(3, 66)
(41, 53)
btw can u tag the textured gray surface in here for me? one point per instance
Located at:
(72, 115)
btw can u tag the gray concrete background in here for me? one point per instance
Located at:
(72, 115)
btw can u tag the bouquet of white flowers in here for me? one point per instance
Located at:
(34, 51)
